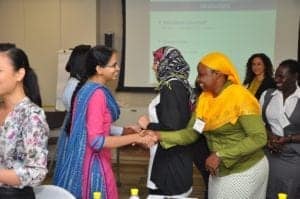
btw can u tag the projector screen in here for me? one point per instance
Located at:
(237, 28)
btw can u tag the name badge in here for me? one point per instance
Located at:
(199, 125)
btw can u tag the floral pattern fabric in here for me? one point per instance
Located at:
(23, 143)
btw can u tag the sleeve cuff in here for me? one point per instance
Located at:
(116, 130)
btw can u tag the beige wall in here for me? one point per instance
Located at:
(41, 28)
(287, 30)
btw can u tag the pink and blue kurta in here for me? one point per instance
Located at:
(83, 164)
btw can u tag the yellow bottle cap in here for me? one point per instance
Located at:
(282, 196)
(97, 195)
(134, 191)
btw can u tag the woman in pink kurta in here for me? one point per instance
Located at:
(99, 126)
(84, 159)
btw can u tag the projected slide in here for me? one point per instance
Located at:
(238, 28)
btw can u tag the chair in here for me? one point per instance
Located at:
(51, 191)
(55, 120)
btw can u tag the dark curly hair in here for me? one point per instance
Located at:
(267, 63)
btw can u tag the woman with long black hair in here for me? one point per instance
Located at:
(23, 127)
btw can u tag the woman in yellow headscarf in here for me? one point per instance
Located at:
(234, 130)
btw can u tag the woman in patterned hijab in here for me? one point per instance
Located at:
(170, 110)
(171, 65)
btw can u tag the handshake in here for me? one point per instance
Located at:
(144, 138)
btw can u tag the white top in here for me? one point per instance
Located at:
(153, 118)
(151, 185)
(68, 92)
(277, 111)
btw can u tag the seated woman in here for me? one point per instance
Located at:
(281, 111)
(259, 74)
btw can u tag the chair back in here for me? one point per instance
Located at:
(52, 191)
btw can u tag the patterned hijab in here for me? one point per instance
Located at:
(171, 65)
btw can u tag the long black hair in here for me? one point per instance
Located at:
(76, 62)
(19, 60)
(97, 56)
(267, 63)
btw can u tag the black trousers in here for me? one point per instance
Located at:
(15, 193)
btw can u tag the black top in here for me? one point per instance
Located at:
(174, 108)
(172, 168)
(268, 82)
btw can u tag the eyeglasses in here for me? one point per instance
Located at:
(114, 65)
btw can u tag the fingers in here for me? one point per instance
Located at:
(146, 139)
(127, 131)
(274, 145)
(212, 163)
(212, 171)
(143, 121)
(135, 127)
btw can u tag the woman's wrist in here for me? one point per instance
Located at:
(289, 138)
(157, 134)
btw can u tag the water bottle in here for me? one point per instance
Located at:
(282, 196)
(134, 193)
(96, 195)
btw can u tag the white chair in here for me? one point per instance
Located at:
(51, 191)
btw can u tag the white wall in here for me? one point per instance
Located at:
(111, 21)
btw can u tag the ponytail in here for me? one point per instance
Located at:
(31, 87)
(19, 60)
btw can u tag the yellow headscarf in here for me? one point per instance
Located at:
(220, 62)
(231, 103)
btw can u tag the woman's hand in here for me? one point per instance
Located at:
(212, 163)
(130, 129)
(275, 143)
(143, 121)
(146, 140)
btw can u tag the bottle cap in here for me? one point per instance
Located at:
(134, 191)
(97, 194)
(282, 196)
